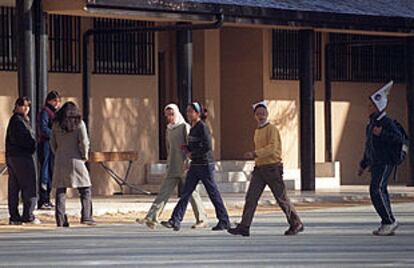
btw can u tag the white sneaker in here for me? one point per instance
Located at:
(386, 229)
(36, 221)
(200, 225)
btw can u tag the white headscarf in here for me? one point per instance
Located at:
(260, 103)
(380, 97)
(179, 119)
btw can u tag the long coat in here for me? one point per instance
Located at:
(71, 152)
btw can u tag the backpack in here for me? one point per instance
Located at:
(399, 151)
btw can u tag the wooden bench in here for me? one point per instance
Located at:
(103, 157)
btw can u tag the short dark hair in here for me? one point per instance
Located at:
(21, 100)
(69, 116)
(52, 95)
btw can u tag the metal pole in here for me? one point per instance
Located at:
(307, 110)
(184, 68)
(410, 105)
(42, 54)
(86, 78)
(25, 53)
(328, 105)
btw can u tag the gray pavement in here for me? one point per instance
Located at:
(141, 203)
(333, 238)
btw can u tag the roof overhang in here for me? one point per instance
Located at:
(7, 3)
(240, 15)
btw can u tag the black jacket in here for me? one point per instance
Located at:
(20, 139)
(378, 148)
(199, 144)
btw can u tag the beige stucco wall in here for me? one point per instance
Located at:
(241, 85)
(124, 117)
(8, 95)
(231, 71)
(206, 80)
(349, 118)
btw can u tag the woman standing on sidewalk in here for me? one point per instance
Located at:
(70, 144)
(199, 150)
(20, 149)
(177, 131)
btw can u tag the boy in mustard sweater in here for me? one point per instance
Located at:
(268, 171)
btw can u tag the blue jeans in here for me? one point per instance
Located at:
(205, 173)
(46, 172)
(379, 193)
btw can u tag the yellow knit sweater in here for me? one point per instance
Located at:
(268, 146)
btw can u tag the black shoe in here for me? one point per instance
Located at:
(170, 224)
(45, 206)
(295, 229)
(221, 225)
(15, 222)
(239, 231)
(65, 223)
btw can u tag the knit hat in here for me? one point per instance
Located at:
(260, 104)
(380, 97)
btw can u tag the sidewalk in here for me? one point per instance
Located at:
(141, 203)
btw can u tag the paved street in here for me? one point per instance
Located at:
(333, 238)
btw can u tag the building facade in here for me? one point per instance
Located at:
(258, 52)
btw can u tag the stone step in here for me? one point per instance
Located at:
(219, 177)
(234, 166)
(229, 177)
(159, 169)
(224, 187)
(228, 187)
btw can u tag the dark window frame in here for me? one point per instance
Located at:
(285, 55)
(64, 44)
(8, 58)
(124, 53)
(369, 59)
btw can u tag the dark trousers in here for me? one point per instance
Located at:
(46, 172)
(379, 192)
(272, 176)
(85, 195)
(22, 179)
(205, 173)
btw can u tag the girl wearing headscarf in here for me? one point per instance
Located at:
(177, 131)
(199, 149)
